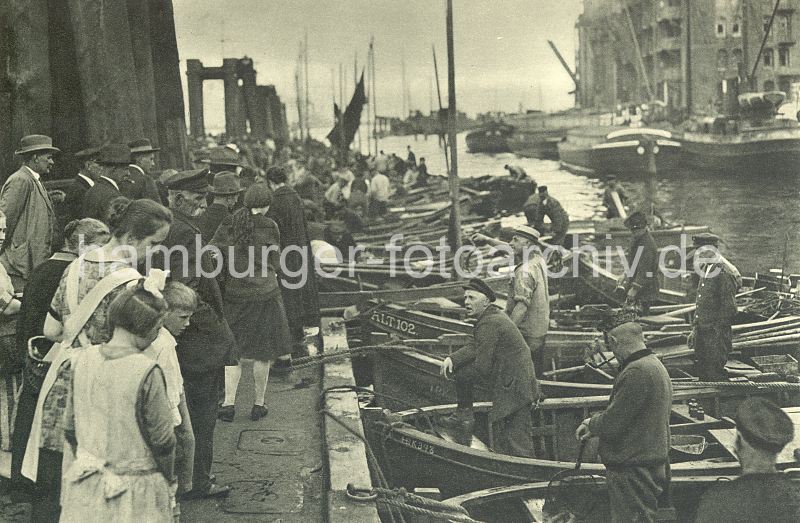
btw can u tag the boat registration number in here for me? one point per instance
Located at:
(418, 445)
(392, 322)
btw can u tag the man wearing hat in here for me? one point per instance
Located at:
(640, 288)
(223, 159)
(608, 198)
(336, 195)
(31, 221)
(207, 344)
(634, 429)
(499, 358)
(528, 303)
(88, 174)
(226, 191)
(140, 182)
(761, 493)
(712, 337)
(113, 160)
(551, 208)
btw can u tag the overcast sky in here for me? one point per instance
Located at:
(502, 56)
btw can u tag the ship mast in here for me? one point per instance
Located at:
(452, 121)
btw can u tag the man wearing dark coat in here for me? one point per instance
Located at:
(85, 179)
(761, 493)
(207, 344)
(559, 219)
(712, 337)
(641, 288)
(500, 358)
(113, 160)
(608, 198)
(634, 429)
(226, 191)
(302, 304)
(140, 182)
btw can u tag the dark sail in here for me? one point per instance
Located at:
(351, 118)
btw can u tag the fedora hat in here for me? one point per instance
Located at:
(35, 142)
(222, 156)
(114, 154)
(226, 183)
(142, 146)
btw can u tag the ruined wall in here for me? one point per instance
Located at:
(87, 72)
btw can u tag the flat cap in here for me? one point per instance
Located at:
(613, 319)
(194, 181)
(478, 285)
(226, 183)
(705, 238)
(763, 425)
(257, 195)
(637, 220)
(527, 232)
(542, 188)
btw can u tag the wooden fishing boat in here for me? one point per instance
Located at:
(416, 452)
(577, 497)
(358, 293)
(601, 276)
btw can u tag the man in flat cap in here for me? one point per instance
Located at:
(207, 344)
(761, 493)
(140, 182)
(641, 287)
(551, 208)
(712, 336)
(226, 191)
(500, 358)
(113, 160)
(634, 429)
(31, 221)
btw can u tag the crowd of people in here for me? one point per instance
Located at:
(121, 355)
(128, 353)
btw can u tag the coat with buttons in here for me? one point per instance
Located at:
(716, 296)
(30, 225)
(500, 356)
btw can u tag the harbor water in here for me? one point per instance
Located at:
(757, 217)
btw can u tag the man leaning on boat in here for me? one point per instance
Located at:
(634, 429)
(499, 357)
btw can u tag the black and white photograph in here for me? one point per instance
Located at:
(399, 261)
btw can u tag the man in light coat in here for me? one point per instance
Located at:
(30, 217)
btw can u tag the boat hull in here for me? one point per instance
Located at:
(487, 141)
(776, 155)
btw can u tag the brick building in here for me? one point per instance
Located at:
(690, 54)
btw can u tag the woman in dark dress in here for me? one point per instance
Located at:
(253, 302)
